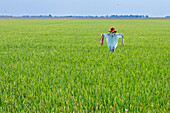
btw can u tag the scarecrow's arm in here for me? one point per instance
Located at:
(121, 35)
(102, 38)
(123, 40)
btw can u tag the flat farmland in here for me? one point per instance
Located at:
(59, 66)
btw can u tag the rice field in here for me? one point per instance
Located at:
(59, 66)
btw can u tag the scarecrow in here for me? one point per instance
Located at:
(112, 39)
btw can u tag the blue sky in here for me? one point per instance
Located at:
(153, 8)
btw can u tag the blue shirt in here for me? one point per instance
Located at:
(112, 41)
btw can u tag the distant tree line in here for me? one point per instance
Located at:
(112, 16)
(129, 16)
(6, 16)
(167, 17)
(89, 16)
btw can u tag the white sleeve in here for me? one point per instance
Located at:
(119, 35)
(106, 35)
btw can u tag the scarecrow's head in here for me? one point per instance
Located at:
(112, 31)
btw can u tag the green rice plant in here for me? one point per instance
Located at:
(59, 66)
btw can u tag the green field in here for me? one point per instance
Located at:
(59, 66)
